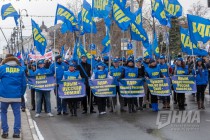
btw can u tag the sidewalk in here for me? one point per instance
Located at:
(28, 131)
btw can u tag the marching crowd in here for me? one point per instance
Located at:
(13, 84)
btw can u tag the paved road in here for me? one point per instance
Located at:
(116, 126)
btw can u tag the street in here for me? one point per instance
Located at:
(120, 126)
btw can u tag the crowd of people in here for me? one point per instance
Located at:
(13, 84)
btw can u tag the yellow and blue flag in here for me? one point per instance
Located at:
(187, 45)
(86, 21)
(137, 31)
(148, 52)
(39, 40)
(8, 10)
(155, 46)
(67, 17)
(106, 43)
(158, 12)
(199, 29)
(121, 15)
(173, 8)
(101, 8)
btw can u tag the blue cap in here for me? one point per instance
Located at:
(179, 59)
(101, 64)
(33, 64)
(106, 58)
(83, 55)
(147, 57)
(151, 60)
(122, 59)
(130, 59)
(41, 61)
(71, 64)
(138, 60)
(115, 60)
(198, 59)
(162, 57)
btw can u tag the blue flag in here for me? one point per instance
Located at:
(199, 29)
(187, 45)
(86, 21)
(158, 12)
(67, 16)
(106, 44)
(155, 46)
(101, 8)
(8, 10)
(108, 22)
(148, 52)
(121, 15)
(138, 15)
(172, 8)
(39, 40)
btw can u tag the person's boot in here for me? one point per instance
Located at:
(202, 105)
(153, 107)
(75, 112)
(133, 108)
(4, 135)
(130, 108)
(199, 104)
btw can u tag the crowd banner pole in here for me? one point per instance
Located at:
(56, 87)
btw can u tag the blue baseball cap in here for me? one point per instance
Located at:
(41, 61)
(115, 60)
(33, 64)
(83, 55)
(162, 57)
(130, 59)
(198, 59)
(152, 60)
(147, 57)
(179, 59)
(71, 64)
(101, 64)
(106, 58)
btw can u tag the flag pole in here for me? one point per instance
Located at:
(56, 87)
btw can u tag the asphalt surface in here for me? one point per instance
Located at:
(121, 126)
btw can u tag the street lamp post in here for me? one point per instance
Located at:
(22, 26)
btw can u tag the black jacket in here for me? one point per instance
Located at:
(87, 69)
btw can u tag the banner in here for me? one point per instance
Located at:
(47, 55)
(42, 82)
(72, 89)
(103, 87)
(159, 86)
(131, 88)
(184, 84)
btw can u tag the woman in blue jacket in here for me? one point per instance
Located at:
(153, 71)
(101, 73)
(72, 73)
(201, 76)
(181, 69)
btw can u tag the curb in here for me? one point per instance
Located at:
(31, 125)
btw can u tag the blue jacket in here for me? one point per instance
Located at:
(12, 80)
(153, 72)
(116, 73)
(60, 68)
(130, 72)
(181, 71)
(42, 71)
(201, 76)
(164, 69)
(71, 75)
(101, 74)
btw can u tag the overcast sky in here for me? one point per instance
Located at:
(47, 8)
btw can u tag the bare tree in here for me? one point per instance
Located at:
(198, 9)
